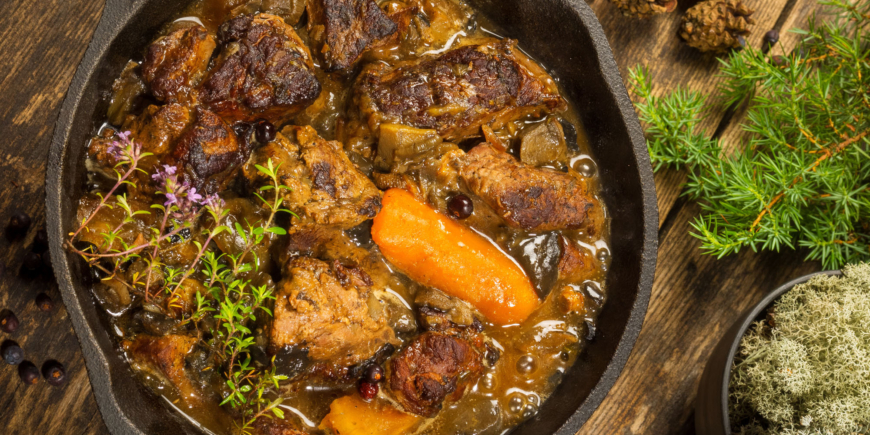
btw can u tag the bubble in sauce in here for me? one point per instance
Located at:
(526, 364)
(529, 411)
(585, 167)
(516, 403)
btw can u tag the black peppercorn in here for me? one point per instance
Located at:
(265, 131)
(44, 302)
(28, 373)
(771, 38)
(18, 224)
(374, 374)
(32, 261)
(8, 321)
(477, 325)
(53, 373)
(460, 206)
(12, 353)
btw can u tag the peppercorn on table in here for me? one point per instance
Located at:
(695, 297)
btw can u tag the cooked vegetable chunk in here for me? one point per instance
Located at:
(350, 415)
(545, 145)
(458, 91)
(399, 144)
(437, 251)
(127, 91)
(175, 63)
(264, 71)
(344, 29)
(323, 308)
(528, 198)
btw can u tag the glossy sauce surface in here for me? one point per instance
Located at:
(533, 354)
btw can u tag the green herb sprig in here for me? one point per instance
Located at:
(232, 300)
(802, 180)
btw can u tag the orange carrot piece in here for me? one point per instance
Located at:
(439, 252)
(350, 415)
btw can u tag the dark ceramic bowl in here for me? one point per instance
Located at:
(711, 405)
(562, 34)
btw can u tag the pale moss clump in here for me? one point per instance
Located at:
(806, 370)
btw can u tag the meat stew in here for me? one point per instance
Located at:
(469, 340)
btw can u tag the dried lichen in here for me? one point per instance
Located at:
(806, 370)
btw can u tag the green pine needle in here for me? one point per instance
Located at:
(802, 179)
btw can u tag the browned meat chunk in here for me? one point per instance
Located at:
(208, 152)
(331, 244)
(163, 357)
(458, 91)
(175, 63)
(435, 367)
(344, 29)
(323, 308)
(199, 142)
(325, 187)
(264, 71)
(156, 129)
(533, 199)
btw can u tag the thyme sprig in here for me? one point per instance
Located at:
(232, 301)
(802, 179)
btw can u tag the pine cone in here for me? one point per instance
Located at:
(716, 25)
(644, 8)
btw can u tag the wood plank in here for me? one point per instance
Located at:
(733, 135)
(654, 43)
(695, 299)
(44, 42)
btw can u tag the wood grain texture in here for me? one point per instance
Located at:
(695, 297)
(43, 43)
(672, 64)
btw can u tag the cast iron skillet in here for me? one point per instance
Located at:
(562, 34)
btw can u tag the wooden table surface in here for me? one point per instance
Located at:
(695, 298)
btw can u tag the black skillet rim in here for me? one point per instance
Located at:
(118, 12)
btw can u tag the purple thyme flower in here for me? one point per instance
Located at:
(116, 151)
(194, 197)
(170, 199)
(161, 176)
(126, 150)
(125, 136)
